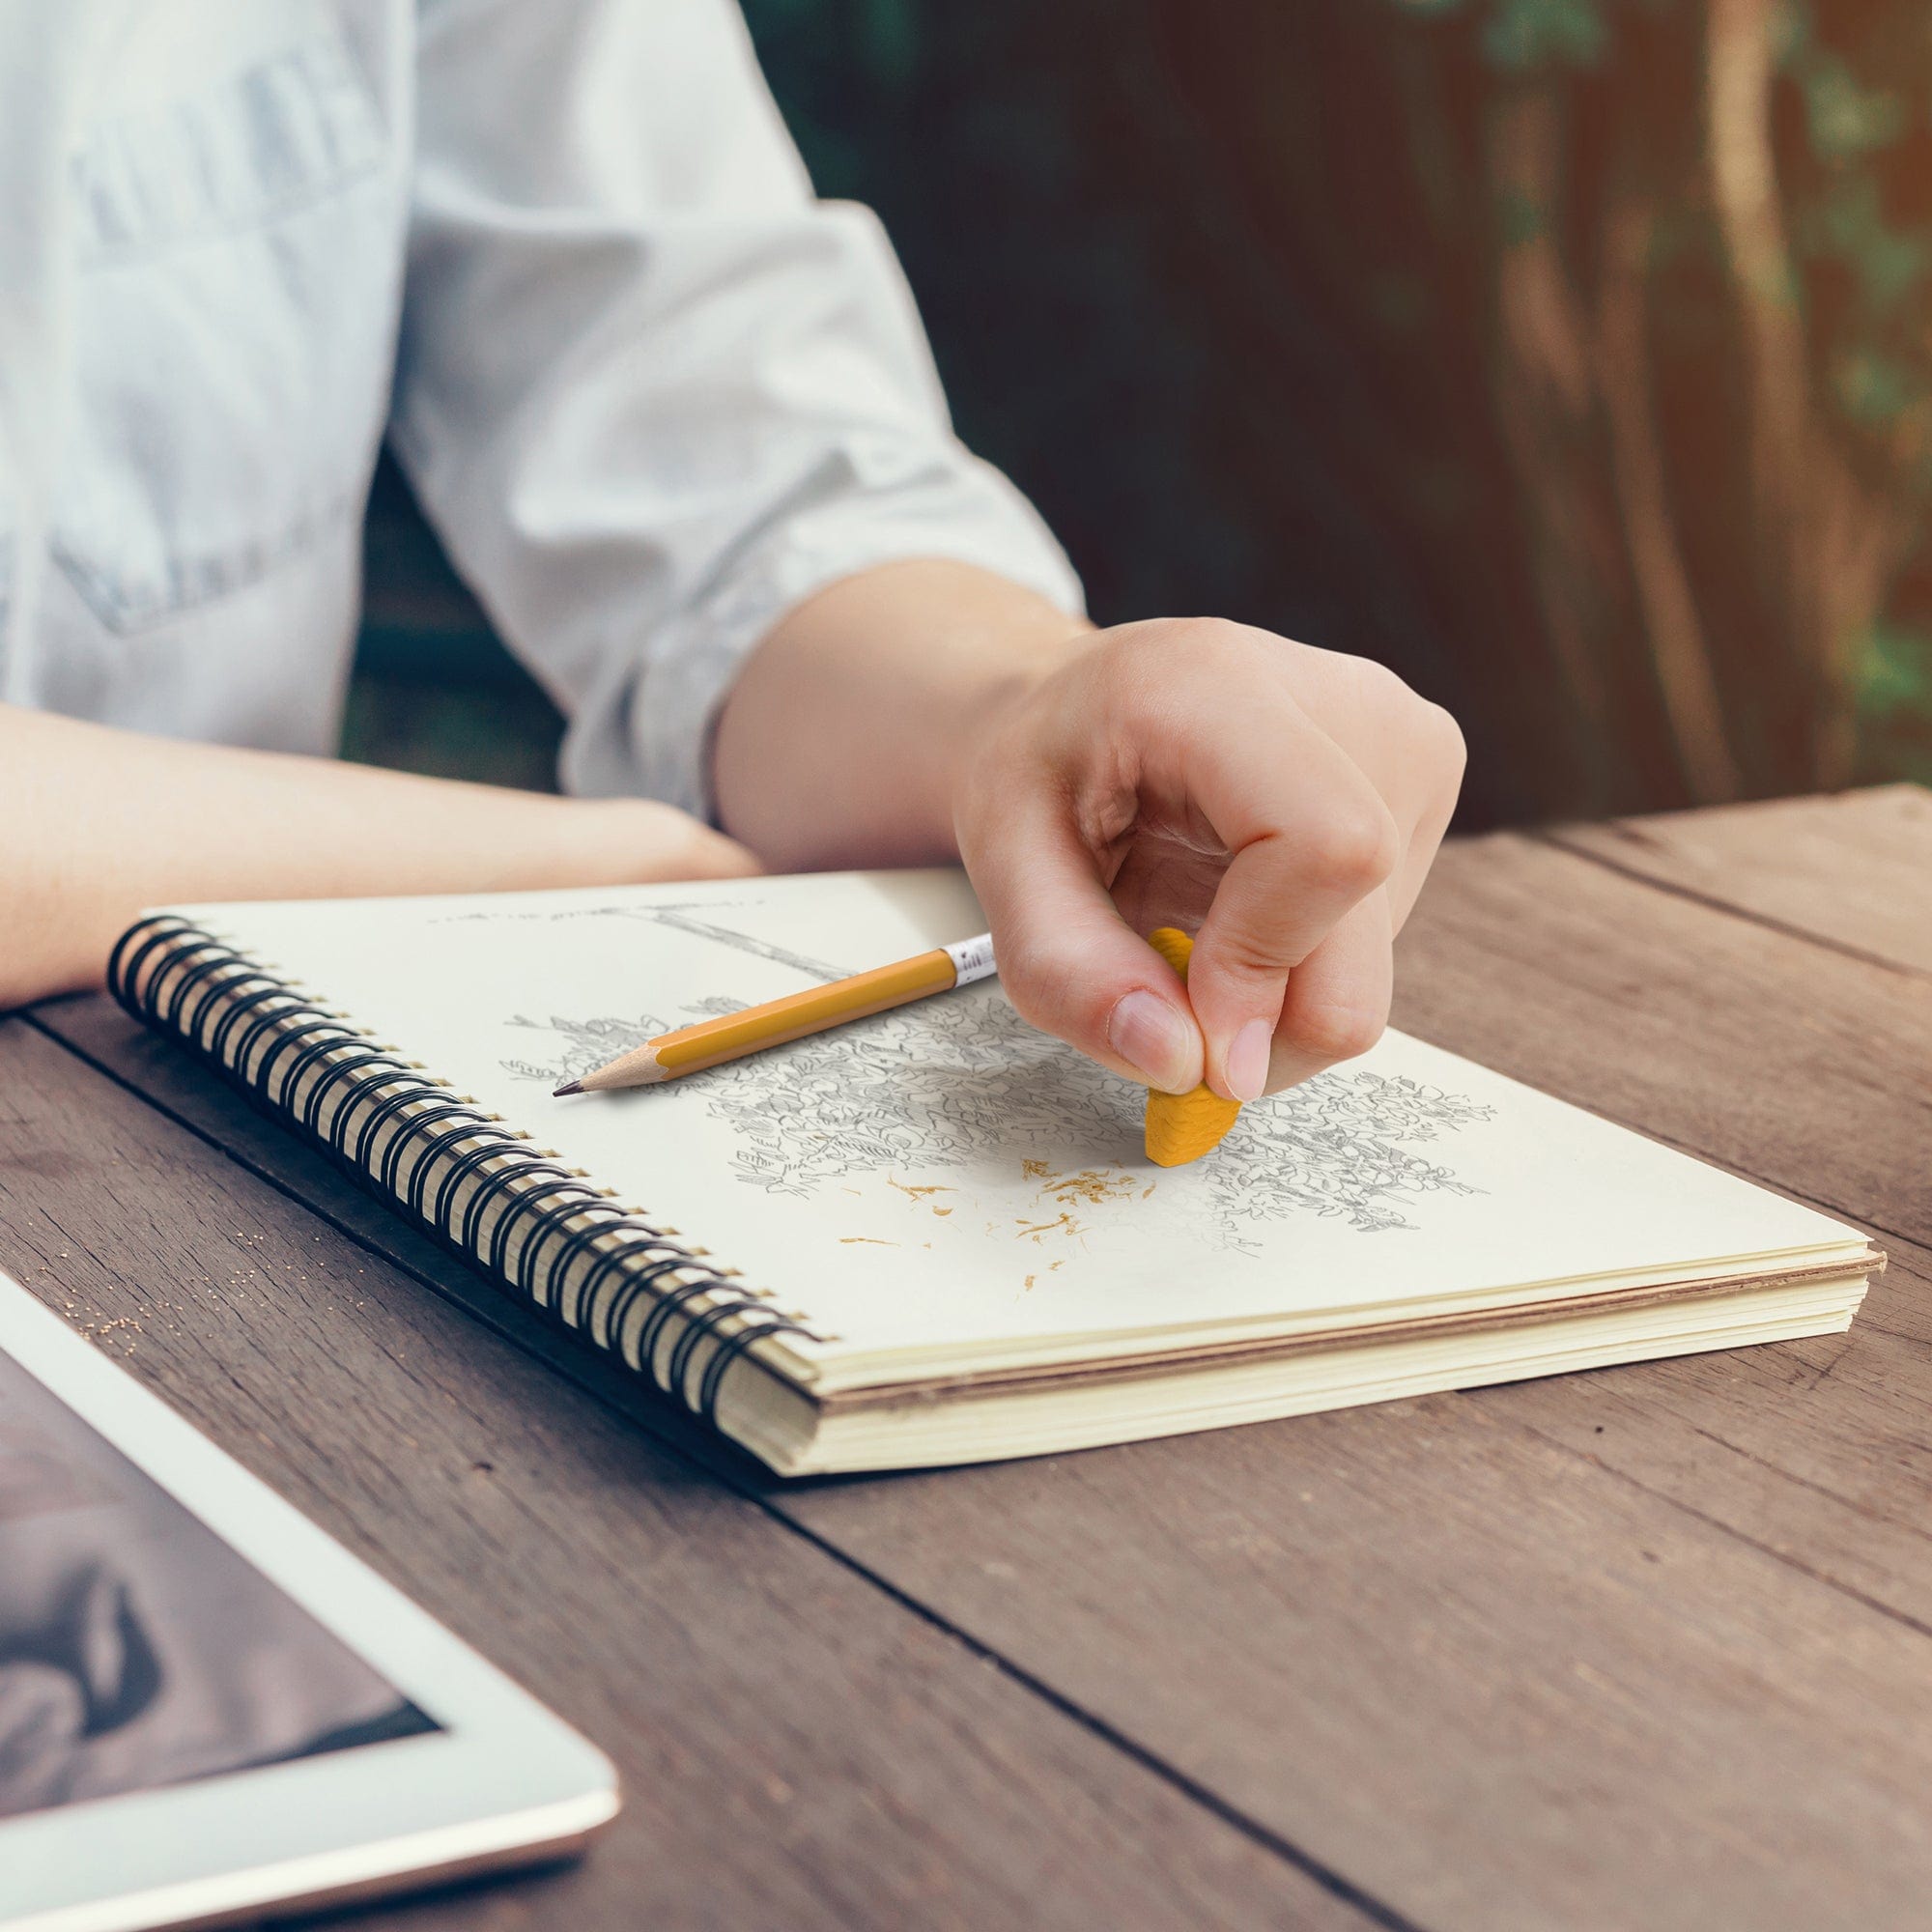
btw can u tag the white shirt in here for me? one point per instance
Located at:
(648, 389)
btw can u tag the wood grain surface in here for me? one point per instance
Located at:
(1650, 1647)
(797, 1747)
(1851, 870)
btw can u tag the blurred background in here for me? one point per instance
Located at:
(1571, 356)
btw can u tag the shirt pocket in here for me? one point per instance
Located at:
(238, 258)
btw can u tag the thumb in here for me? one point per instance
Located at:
(1069, 963)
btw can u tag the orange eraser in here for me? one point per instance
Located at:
(1183, 1126)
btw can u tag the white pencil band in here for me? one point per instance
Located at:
(972, 960)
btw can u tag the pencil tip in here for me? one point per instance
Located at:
(568, 1087)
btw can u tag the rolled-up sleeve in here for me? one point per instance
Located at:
(650, 389)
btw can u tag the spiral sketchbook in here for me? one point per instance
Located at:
(932, 1236)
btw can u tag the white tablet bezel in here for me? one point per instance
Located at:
(504, 1778)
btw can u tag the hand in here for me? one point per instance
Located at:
(1287, 802)
(636, 840)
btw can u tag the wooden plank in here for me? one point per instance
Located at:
(797, 1747)
(1817, 1449)
(1500, 1675)
(1855, 869)
(1817, 1453)
(1484, 1673)
(1850, 873)
(1803, 1065)
(1664, 1012)
(1798, 1063)
(1615, 1708)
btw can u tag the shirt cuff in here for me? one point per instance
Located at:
(652, 735)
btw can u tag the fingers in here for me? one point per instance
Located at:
(1310, 840)
(1068, 963)
(1410, 750)
(1307, 793)
(1438, 751)
(1338, 998)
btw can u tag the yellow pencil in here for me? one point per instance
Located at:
(731, 1035)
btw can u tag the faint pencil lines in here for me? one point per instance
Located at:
(961, 1082)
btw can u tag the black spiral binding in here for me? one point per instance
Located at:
(626, 1285)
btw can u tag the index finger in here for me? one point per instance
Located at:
(1309, 838)
(1069, 963)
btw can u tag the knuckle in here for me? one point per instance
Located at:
(1219, 634)
(1197, 642)
(1355, 688)
(1374, 681)
(1331, 1032)
(1238, 953)
(1038, 980)
(1419, 721)
(1442, 736)
(1237, 651)
(1058, 990)
(1353, 852)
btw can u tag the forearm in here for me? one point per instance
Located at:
(96, 824)
(843, 739)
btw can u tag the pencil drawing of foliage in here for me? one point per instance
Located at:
(962, 1082)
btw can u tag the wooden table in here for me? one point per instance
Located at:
(1645, 1648)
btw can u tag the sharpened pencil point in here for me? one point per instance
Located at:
(568, 1087)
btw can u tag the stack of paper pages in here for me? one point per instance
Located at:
(932, 1236)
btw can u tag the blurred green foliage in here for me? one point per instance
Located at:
(1570, 355)
(1845, 97)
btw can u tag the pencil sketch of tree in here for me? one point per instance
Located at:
(681, 918)
(962, 1082)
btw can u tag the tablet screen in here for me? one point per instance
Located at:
(136, 1648)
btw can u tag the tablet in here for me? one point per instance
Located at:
(207, 1707)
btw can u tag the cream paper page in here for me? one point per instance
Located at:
(945, 1177)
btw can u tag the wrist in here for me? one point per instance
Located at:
(632, 841)
(848, 734)
(1012, 675)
